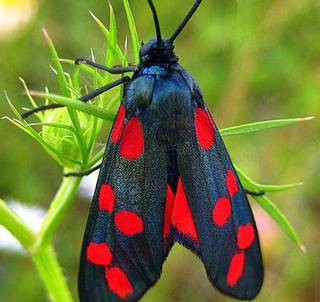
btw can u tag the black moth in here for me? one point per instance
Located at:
(165, 177)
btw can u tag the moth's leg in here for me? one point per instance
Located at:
(84, 98)
(129, 64)
(115, 70)
(85, 173)
(255, 193)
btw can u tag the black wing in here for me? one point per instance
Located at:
(123, 251)
(217, 222)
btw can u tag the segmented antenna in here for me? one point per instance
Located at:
(156, 21)
(186, 20)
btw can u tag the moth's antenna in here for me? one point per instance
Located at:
(186, 20)
(156, 21)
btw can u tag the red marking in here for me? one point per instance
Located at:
(235, 268)
(168, 212)
(106, 198)
(99, 253)
(221, 211)
(118, 282)
(181, 217)
(245, 236)
(204, 129)
(232, 184)
(128, 223)
(132, 142)
(118, 125)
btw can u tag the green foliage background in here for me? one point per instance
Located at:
(254, 60)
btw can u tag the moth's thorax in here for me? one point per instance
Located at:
(165, 96)
(160, 88)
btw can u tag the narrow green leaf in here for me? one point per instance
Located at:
(74, 92)
(97, 157)
(63, 83)
(96, 126)
(75, 80)
(258, 126)
(278, 216)
(110, 51)
(55, 154)
(26, 89)
(46, 102)
(25, 127)
(133, 30)
(125, 51)
(54, 125)
(276, 188)
(94, 122)
(55, 58)
(250, 184)
(106, 34)
(14, 110)
(76, 104)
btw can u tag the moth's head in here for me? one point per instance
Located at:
(158, 50)
(154, 52)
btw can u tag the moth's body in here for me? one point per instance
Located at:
(170, 180)
(166, 177)
(166, 94)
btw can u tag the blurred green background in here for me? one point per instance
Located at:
(254, 60)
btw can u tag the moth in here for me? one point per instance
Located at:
(166, 177)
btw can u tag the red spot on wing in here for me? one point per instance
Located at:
(204, 129)
(132, 142)
(128, 223)
(106, 198)
(221, 211)
(118, 125)
(245, 236)
(181, 217)
(118, 282)
(99, 253)
(232, 184)
(168, 212)
(236, 268)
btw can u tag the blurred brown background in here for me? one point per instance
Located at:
(254, 60)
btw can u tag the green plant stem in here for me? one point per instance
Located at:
(59, 205)
(51, 274)
(44, 258)
(16, 226)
